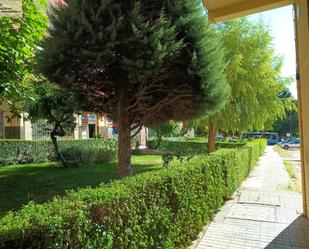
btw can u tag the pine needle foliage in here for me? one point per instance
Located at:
(139, 62)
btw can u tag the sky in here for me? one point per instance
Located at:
(281, 25)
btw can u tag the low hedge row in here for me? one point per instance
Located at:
(160, 209)
(75, 151)
(91, 152)
(195, 147)
(21, 151)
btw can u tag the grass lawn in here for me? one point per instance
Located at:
(295, 184)
(41, 182)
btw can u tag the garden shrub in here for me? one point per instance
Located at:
(190, 146)
(25, 151)
(237, 163)
(159, 209)
(22, 151)
(97, 151)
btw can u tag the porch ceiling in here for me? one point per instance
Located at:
(227, 9)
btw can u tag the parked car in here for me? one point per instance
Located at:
(294, 143)
(284, 141)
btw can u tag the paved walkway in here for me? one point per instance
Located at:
(262, 213)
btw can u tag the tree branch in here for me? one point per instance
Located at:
(135, 127)
(136, 132)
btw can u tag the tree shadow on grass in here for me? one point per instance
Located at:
(20, 184)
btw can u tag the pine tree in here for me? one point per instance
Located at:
(139, 62)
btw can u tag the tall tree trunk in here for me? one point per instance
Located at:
(53, 136)
(185, 128)
(124, 133)
(211, 145)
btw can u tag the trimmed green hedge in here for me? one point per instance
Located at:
(160, 209)
(25, 151)
(194, 147)
(21, 151)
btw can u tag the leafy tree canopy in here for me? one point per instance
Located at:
(287, 124)
(253, 73)
(19, 39)
(258, 92)
(55, 110)
(165, 129)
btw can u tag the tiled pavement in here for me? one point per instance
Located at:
(262, 213)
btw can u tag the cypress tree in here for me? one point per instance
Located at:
(140, 62)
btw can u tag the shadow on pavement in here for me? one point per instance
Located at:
(295, 235)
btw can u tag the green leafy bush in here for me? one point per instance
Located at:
(160, 209)
(97, 151)
(190, 146)
(169, 157)
(21, 151)
(237, 163)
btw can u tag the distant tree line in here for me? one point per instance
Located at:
(287, 125)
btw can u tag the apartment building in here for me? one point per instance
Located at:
(89, 125)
